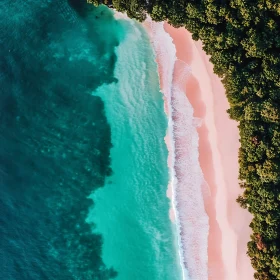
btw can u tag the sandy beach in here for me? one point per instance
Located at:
(218, 147)
(218, 157)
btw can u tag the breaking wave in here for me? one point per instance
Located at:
(186, 177)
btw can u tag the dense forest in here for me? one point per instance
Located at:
(243, 39)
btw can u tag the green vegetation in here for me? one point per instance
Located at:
(243, 39)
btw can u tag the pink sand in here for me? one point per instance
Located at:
(218, 147)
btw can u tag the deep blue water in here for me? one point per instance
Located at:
(55, 140)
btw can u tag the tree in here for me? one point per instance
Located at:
(270, 111)
(268, 171)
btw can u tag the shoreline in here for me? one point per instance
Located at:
(218, 157)
(182, 142)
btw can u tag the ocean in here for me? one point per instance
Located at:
(83, 162)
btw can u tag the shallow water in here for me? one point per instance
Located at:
(68, 95)
(131, 212)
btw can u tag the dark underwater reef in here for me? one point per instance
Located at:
(243, 39)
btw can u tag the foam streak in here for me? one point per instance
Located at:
(186, 176)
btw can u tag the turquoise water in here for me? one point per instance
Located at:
(83, 171)
(131, 211)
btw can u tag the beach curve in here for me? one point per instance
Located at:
(218, 147)
(218, 157)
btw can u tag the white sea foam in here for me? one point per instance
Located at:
(186, 176)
